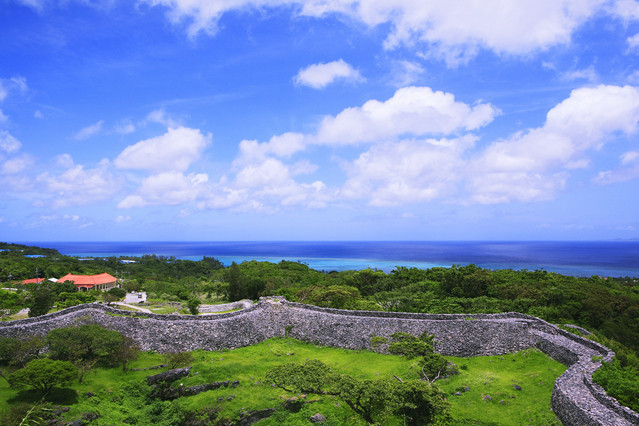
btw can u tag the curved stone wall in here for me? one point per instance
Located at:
(576, 399)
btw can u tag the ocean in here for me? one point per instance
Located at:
(575, 258)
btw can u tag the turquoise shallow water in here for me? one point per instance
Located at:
(577, 258)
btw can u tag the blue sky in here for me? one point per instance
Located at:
(319, 120)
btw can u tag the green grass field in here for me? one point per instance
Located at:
(118, 396)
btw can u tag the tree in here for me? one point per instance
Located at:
(10, 303)
(17, 352)
(373, 400)
(44, 374)
(126, 352)
(109, 298)
(193, 304)
(420, 403)
(334, 296)
(67, 299)
(433, 365)
(117, 292)
(237, 283)
(41, 302)
(87, 342)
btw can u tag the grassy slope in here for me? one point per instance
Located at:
(115, 392)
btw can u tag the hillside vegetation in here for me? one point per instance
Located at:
(483, 393)
(608, 307)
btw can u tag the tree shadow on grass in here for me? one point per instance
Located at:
(60, 396)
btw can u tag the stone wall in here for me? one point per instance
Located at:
(242, 304)
(575, 399)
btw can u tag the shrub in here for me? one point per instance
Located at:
(44, 374)
(377, 341)
(409, 345)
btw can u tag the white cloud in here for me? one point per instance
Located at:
(19, 83)
(8, 143)
(504, 187)
(271, 180)
(79, 185)
(456, 29)
(173, 151)
(630, 157)
(89, 131)
(64, 161)
(167, 188)
(125, 127)
(410, 171)
(3, 118)
(412, 110)
(591, 113)
(263, 181)
(269, 173)
(38, 114)
(405, 73)
(17, 164)
(318, 76)
(633, 43)
(36, 4)
(122, 219)
(588, 74)
(453, 30)
(13, 84)
(532, 165)
(628, 169)
(283, 145)
(160, 116)
(628, 10)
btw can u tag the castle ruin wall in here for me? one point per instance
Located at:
(575, 400)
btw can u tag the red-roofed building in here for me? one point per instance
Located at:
(33, 281)
(87, 282)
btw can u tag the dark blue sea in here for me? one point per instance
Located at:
(610, 258)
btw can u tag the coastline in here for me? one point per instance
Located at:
(573, 258)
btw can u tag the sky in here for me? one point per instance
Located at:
(211, 120)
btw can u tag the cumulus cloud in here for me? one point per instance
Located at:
(173, 151)
(532, 165)
(266, 183)
(79, 185)
(453, 30)
(412, 110)
(89, 131)
(283, 145)
(167, 188)
(318, 76)
(409, 171)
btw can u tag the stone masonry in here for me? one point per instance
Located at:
(576, 400)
